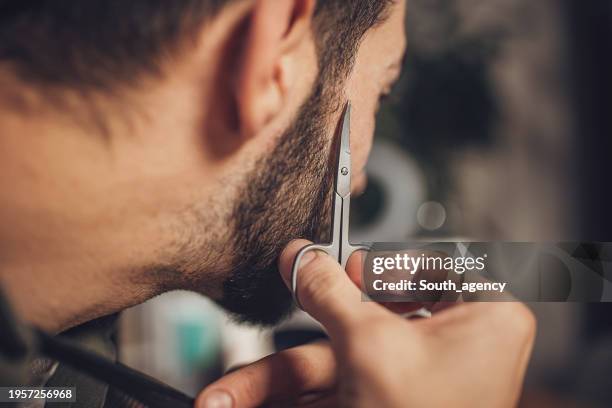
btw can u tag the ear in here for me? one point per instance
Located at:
(269, 66)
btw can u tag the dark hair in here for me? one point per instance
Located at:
(98, 44)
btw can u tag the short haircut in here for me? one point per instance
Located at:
(101, 44)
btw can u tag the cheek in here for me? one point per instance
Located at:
(363, 122)
(362, 136)
(363, 93)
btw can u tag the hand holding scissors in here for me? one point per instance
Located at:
(339, 248)
(377, 345)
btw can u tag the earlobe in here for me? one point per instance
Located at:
(264, 78)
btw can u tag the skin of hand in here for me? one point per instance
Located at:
(469, 355)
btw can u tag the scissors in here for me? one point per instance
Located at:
(339, 248)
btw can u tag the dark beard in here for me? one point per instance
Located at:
(287, 196)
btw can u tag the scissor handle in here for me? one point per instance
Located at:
(348, 249)
(328, 249)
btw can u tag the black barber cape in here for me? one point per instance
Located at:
(28, 357)
(97, 336)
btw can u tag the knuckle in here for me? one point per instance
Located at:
(517, 319)
(302, 367)
(247, 387)
(524, 321)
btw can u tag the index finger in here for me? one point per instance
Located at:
(325, 290)
(283, 376)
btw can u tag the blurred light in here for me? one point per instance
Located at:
(397, 189)
(431, 215)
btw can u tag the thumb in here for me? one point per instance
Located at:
(325, 290)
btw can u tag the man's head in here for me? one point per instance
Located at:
(154, 145)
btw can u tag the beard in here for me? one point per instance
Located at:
(286, 196)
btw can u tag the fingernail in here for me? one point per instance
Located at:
(307, 258)
(218, 399)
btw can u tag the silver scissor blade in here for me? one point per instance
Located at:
(345, 140)
(343, 172)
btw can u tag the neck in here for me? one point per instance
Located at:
(65, 255)
(54, 300)
(86, 214)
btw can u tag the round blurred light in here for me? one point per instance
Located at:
(431, 215)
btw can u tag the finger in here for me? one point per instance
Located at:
(501, 319)
(325, 400)
(354, 267)
(285, 375)
(354, 270)
(485, 296)
(325, 291)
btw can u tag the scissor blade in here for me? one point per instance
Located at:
(343, 172)
(345, 142)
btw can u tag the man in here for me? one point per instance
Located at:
(151, 145)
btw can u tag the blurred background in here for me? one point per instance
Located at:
(498, 130)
